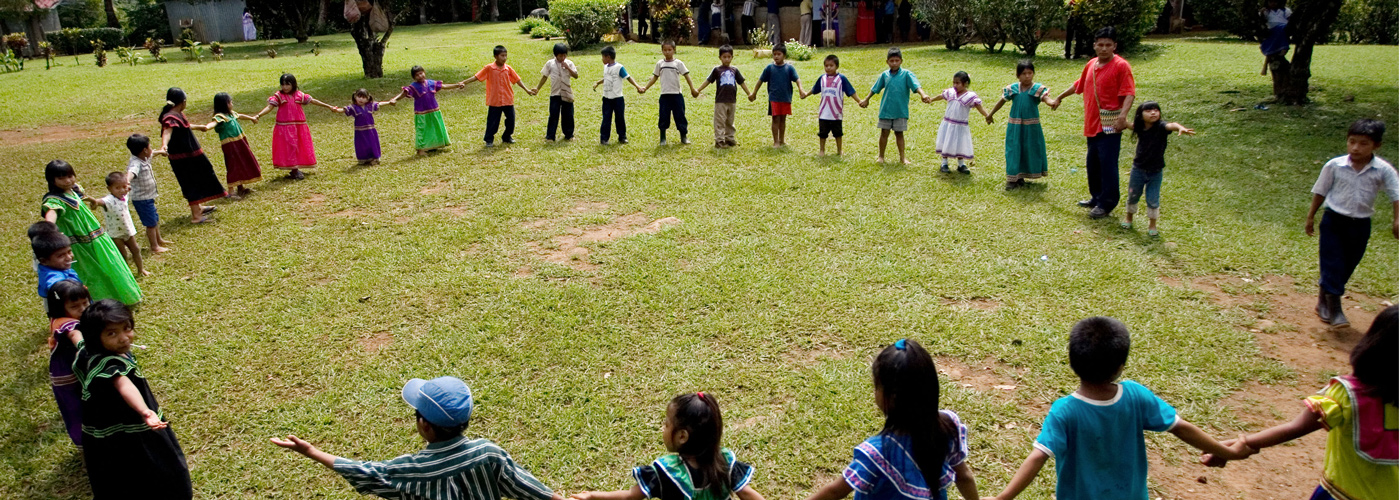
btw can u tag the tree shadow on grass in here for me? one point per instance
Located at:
(32, 435)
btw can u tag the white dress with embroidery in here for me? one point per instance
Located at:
(954, 135)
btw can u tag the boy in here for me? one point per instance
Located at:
(117, 220)
(669, 70)
(1348, 185)
(143, 189)
(894, 103)
(55, 254)
(450, 467)
(727, 80)
(833, 88)
(561, 91)
(500, 97)
(613, 104)
(1095, 434)
(780, 77)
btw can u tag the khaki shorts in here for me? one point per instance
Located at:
(897, 124)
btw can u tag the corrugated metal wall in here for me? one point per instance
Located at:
(217, 20)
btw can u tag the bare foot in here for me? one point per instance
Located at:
(821, 153)
(164, 241)
(907, 162)
(144, 272)
(159, 250)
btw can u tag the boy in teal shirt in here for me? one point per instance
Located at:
(894, 103)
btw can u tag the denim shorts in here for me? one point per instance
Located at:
(146, 210)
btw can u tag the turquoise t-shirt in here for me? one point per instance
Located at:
(1098, 446)
(894, 103)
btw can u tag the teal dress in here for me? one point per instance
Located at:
(1025, 141)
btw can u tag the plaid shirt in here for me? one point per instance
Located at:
(143, 185)
(456, 469)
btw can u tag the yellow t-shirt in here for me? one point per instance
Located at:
(805, 8)
(1346, 474)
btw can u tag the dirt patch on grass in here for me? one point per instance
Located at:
(316, 198)
(436, 188)
(454, 210)
(351, 213)
(569, 250)
(124, 127)
(975, 303)
(989, 376)
(814, 355)
(376, 342)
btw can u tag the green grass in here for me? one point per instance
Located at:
(788, 273)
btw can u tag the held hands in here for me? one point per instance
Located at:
(1054, 105)
(582, 495)
(864, 103)
(1238, 447)
(153, 420)
(989, 119)
(752, 97)
(1120, 124)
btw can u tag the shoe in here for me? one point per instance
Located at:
(603, 142)
(684, 140)
(507, 141)
(1153, 233)
(1125, 225)
(622, 140)
(962, 169)
(1097, 213)
(206, 210)
(944, 169)
(1324, 309)
(663, 141)
(1011, 186)
(490, 145)
(1086, 203)
(548, 139)
(1334, 304)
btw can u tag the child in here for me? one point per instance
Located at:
(833, 88)
(128, 447)
(1358, 412)
(117, 219)
(1151, 133)
(614, 107)
(292, 148)
(471, 468)
(727, 80)
(500, 98)
(242, 165)
(1348, 184)
(670, 70)
(695, 467)
(143, 189)
(362, 108)
(954, 135)
(781, 77)
(95, 257)
(1095, 434)
(1025, 141)
(1275, 16)
(429, 131)
(192, 168)
(66, 301)
(559, 71)
(897, 83)
(54, 254)
(921, 450)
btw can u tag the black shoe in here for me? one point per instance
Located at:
(1324, 309)
(684, 140)
(622, 140)
(962, 169)
(1011, 186)
(507, 141)
(1097, 213)
(1338, 319)
(490, 144)
(1086, 203)
(944, 169)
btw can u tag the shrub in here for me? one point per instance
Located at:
(1027, 22)
(759, 36)
(1367, 21)
(8, 62)
(145, 19)
(671, 20)
(798, 52)
(950, 19)
(1130, 18)
(546, 30)
(16, 42)
(1229, 15)
(99, 52)
(989, 21)
(584, 22)
(80, 40)
(81, 14)
(529, 24)
(153, 45)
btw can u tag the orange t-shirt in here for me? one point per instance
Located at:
(1104, 88)
(498, 81)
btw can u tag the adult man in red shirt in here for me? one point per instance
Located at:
(1108, 88)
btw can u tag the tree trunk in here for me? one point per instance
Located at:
(36, 30)
(321, 16)
(453, 4)
(422, 13)
(496, 11)
(111, 8)
(371, 48)
(1314, 26)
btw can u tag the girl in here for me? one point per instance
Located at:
(243, 167)
(192, 169)
(696, 467)
(1151, 133)
(366, 136)
(1358, 412)
(95, 256)
(921, 451)
(66, 301)
(954, 137)
(130, 450)
(1276, 18)
(292, 148)
(1025, 141)
(429, 131)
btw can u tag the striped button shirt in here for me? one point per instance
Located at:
(143, 184)
(1353, 193)
(456, 469)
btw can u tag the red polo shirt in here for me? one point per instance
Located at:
(1104, 88)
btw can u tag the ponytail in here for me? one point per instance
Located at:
(698, 414)
(907, 379)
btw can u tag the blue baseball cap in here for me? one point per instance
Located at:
(443, 401)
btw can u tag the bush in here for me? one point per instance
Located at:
(989, 21)
(1027, 21)
(1367, 21)
(1130, 18)
(584, 21)
(671, 20)
(950, 19)
(75, 41)
(82, 14)
(145, 19)
(798, 52)
(546, 30)
(529, 24)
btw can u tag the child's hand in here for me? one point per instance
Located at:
(1052, 103)
(1187, 131)
(582, 495)
(1308, 226)
(989, 119)
(294, 443)
(694, 93)
(253, 119)
(752, 97)
(153, 420)
(52, 342)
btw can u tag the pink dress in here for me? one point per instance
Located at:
(291, 138)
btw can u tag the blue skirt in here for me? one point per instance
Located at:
(1277, 43)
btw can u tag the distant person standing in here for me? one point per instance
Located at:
(746, 23)
(905, 10)
(250, 33)
(775, 35)
(1108, 88)
(805, 22)
(1276, 16)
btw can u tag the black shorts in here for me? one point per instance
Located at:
(829, 127)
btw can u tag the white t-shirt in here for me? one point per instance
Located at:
(1278, 17)
(118, 218)
(670, 72)
(559, 78)
(613, 76)
(748, 8)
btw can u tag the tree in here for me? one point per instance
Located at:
(110, 6)
(950, 19)
(1310, 24)
(299, 14)
(1027, 22)
(370, 42)
(33, 12)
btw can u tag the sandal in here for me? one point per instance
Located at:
(1153, 233)
(1126, 225)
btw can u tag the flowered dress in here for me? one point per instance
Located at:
(1025, 140)
(198, 182)
(242, 165)
(124, 457)
(366, 136)
(430, 132)
(66, 391)
(95, 256)
(291, 137)
(954, 136)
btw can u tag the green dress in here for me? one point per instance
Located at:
(1025, 141)
(95, 256)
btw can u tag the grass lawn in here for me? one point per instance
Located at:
(305, 307)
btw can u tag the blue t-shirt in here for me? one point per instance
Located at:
(1098, 446)
(779, 80)
(883, 467)
(48, 276)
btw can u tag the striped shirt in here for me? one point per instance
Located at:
(143, 182)
(456, 469)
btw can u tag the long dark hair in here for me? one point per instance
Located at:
(698, 414)
(1140, 126)
(63, 292)
(1373, 359)
(288, 79)
(223, 104)
(96, 318)
(173, 97)
(57, 169)
(908, 384)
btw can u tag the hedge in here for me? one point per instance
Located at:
(584, 22)
(74, 41)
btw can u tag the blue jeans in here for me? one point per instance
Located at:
(1151, 182)
(1341, 243)
(1101, 165)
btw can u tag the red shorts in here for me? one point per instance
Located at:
(779, 108)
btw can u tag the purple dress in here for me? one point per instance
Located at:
(366, 136)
